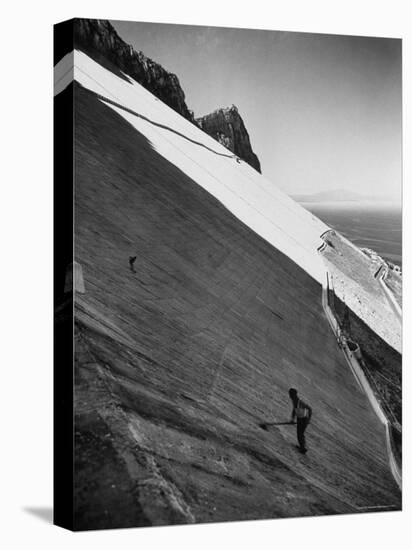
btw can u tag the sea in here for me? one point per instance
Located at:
(368, 225)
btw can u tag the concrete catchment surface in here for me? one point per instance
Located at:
(244, 192)
(180, 359)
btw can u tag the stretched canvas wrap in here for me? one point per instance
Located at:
(228, 274)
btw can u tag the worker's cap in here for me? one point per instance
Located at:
(293, 392)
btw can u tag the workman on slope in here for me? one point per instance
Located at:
(132, 260)
(303, 414)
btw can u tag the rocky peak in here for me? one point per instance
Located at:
(99, 39)
(227, 127)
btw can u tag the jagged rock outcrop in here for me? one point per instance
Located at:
(228, 128)
(99, 39)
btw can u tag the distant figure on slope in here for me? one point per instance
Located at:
(132, 260)
(303, 413)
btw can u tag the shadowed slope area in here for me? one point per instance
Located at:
(177, 363)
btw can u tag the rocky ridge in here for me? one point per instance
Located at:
(99, 39)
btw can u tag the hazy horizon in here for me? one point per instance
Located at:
(323, 112)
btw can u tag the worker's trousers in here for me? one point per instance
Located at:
(302, 424)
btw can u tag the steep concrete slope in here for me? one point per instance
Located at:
(247, 194)
(177, 363)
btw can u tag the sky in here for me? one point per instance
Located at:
(323, 112)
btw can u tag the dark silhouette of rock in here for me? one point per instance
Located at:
(228, 128)
(99, 39)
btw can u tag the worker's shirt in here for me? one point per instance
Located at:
(302, 410)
